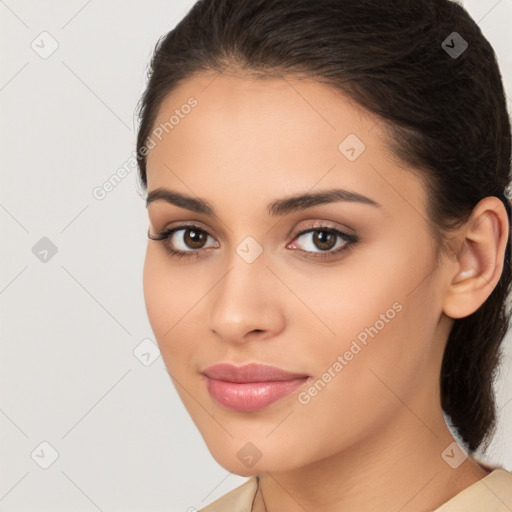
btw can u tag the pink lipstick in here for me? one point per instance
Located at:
(250, 387)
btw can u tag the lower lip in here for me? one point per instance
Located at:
(251, 396)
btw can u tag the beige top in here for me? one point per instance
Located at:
(493, 493)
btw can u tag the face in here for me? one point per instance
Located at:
(340, 291)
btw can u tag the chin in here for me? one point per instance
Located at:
(245, 459)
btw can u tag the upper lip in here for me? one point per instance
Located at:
(252, 372)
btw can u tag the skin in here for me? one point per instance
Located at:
(373, 437)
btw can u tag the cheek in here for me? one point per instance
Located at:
(375, 314)
(344, 301)
(164, 296)
(361, 378)
(156, 296)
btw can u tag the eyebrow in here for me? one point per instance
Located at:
(278, 207)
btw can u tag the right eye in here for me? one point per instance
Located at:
(177, 245)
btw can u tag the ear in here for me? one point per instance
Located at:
(478, 262)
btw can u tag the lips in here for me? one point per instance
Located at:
(250, 387)
(250, 373)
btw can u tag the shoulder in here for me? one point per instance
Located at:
(492, 493)
(237, 500)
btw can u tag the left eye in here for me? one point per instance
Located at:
(329, 241)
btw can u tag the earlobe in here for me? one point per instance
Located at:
(478, 265)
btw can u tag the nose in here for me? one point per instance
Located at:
(244, 304)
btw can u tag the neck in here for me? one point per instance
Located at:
(383, 471)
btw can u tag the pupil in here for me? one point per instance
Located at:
(322, 239)
(193, 238)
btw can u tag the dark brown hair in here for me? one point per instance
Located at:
(446, 115)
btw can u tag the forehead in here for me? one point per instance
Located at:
(255, 103)
(269, 134)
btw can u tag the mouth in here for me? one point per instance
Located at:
(250, 387)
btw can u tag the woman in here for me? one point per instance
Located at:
(329, 248)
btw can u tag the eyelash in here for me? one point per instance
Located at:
(350, 240)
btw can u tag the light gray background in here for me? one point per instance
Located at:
(69, 326)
